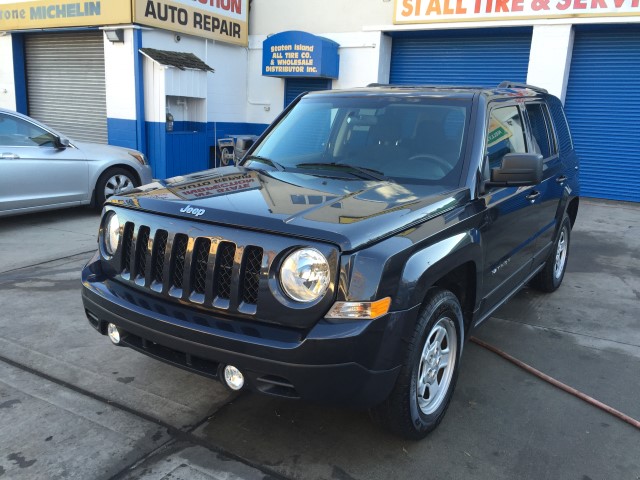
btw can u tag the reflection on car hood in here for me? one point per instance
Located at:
(347, 212)
(98, 151)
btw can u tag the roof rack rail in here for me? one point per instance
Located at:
(508, 84)
(420, 85)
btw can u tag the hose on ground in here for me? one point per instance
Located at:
(558, 384)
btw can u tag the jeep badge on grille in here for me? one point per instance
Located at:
(194, 211)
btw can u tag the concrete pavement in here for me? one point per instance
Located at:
(74, 406)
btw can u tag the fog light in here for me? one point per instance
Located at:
(113, 333)
(233, 377)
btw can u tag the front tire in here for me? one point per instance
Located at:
(428, 376)
(550, 277)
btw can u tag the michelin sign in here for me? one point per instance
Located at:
(29, 14)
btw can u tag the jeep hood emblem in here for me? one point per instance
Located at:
(193, 211)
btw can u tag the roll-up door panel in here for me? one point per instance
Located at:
(603, 109)
(296, 86)
(477, 57)
(66, 83)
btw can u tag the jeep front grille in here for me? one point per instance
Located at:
(202, 270)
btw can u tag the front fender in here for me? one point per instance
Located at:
(425, 267)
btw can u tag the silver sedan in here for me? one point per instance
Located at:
(41, 169)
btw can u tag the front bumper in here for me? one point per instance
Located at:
(353, 363)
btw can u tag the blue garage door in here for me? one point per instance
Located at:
(603, 109)
(473, 57)
(295, 86)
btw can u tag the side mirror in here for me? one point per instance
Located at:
(517, 170)
(63, 142)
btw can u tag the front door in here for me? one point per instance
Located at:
(34, 171)
(508, 229)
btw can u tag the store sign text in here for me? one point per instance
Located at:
(292, 58)
(426, 11)
(54, 11)
(41, 14)
(299, 54)
(222, 20)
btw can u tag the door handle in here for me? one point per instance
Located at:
(561, 179)
(9, 156)
(532, 196)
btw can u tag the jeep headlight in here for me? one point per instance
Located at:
(304, 275)
(111, 233)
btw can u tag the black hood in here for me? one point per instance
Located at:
(347, 212)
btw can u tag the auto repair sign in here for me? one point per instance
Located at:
(220, 20)
(429, 11)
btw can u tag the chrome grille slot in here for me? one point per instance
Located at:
(251, 267)
(200, 261)
(178, 257)
(157, 259)
(223, 270)
(127, 248)
(142, 247)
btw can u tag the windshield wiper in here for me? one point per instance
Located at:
(268, 161)
(366, 173)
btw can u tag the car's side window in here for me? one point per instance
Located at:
(543, 141)
(505, 134)
(15, 132)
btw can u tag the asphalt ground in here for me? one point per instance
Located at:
(74, 406)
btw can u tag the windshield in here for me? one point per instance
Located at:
(407, 139)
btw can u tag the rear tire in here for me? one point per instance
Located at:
(550, 277)
(421, 396)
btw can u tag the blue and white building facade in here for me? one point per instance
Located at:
(587, 52)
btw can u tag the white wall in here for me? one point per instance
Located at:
(119, 71)
(7, 82)
(165, 40)
(227, 99)
(274, 16)
(155, 109)
(265, 95)
(359, 58)
(186, 83)
(550, 58)
(225, 94)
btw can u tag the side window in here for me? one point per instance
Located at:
(504, 135)
(560, 122)
(541, 133)
(15, 132)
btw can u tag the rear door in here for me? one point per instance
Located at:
(508, 228)
(544, 208)
(33, 171)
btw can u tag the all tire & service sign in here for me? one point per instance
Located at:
(428, 11)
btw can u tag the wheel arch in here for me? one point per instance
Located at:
(451, 264)
(572, 209)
